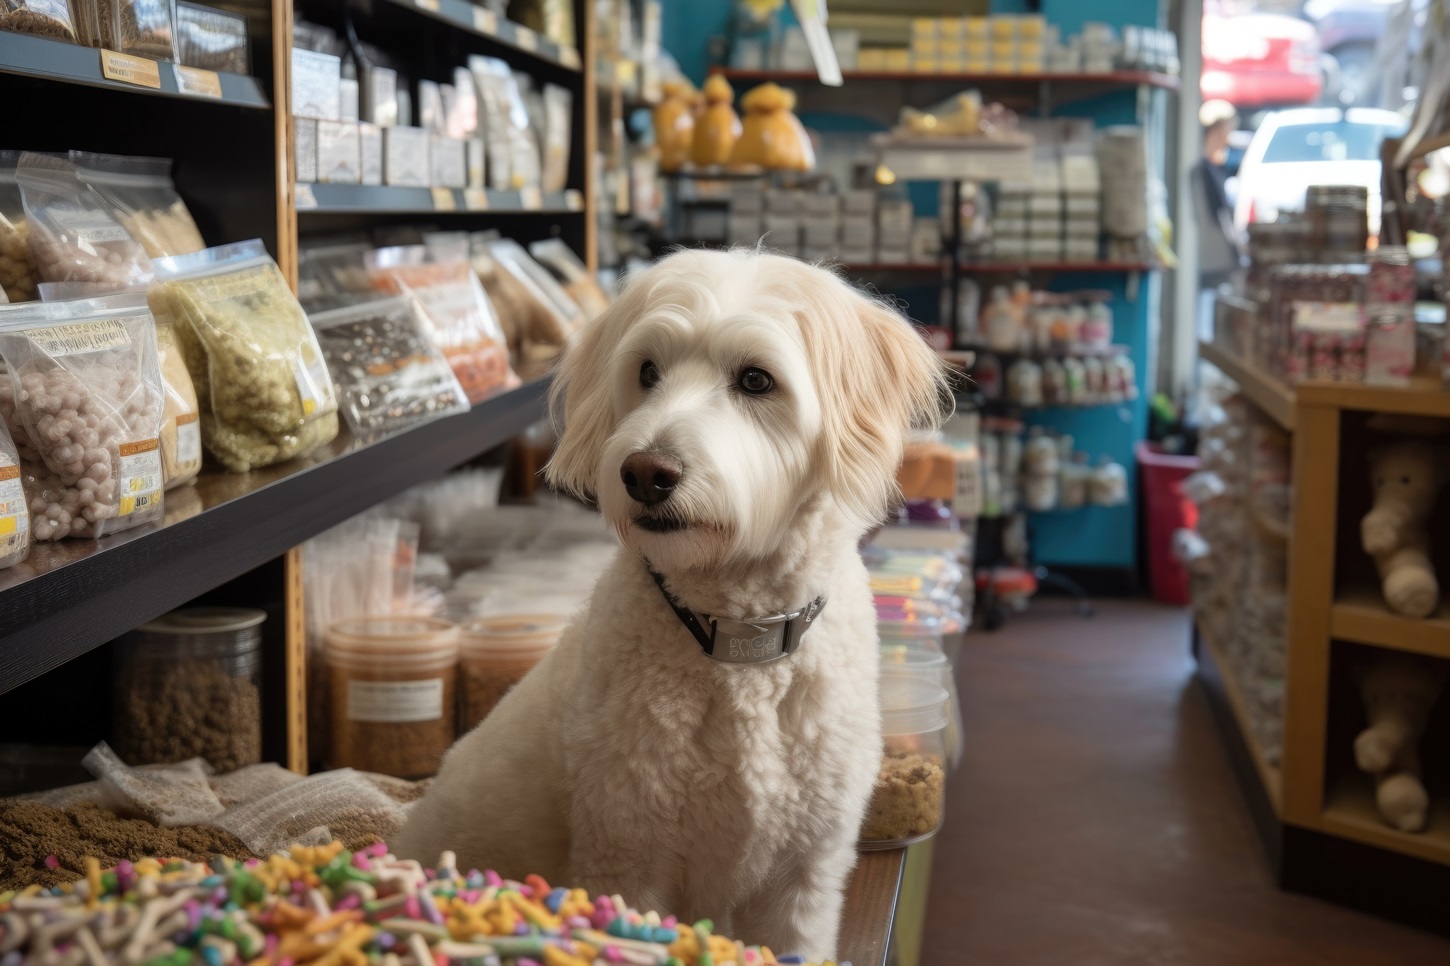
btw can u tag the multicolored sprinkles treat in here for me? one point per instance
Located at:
(331, 907)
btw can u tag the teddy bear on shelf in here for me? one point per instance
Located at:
(1406, 477)
(1398, 692)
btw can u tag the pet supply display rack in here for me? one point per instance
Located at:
(1316, 813)
(233, 539)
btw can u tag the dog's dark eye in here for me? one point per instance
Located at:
(648, 374)
(756, 381)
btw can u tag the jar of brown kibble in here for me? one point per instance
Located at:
(908, 800)
(495, 653)
(190, 686)
(392, 694)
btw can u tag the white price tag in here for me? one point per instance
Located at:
(444, 199)
(475, 199)
(485, 21)
(526, 39)
(569, 57)
(531, 199)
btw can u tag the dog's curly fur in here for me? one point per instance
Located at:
(628, 761)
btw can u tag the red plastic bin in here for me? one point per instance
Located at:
(1168, 510)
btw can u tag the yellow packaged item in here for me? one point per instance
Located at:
(1002, 26)
(674, 122)
(773, 137)
(975, 28)
(718, 128)
(898, 58)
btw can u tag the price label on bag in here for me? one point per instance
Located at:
(197, 82)
(131, 70)
(475, 199)
(485, 21)
(444, 199)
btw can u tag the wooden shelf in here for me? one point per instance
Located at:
(1350, 812)
(325, 199)
(870, 909)
(1361, 615)
(75, 595)
(53, 60)
(886, 268)
(1269, 775)
(474, 19)
(1423, 397)
(1005, 268)
(1113, 79)
(1273, 398)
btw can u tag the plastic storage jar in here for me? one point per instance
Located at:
(907, 803)
(495, 653)
(929, 664)
(392, 694)
(189, 685)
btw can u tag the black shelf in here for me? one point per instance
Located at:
(72, 596)
(476, 20)
(390, 200)
(38, 57)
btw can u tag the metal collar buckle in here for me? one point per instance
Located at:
(759, 640)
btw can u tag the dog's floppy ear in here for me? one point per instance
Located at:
(875, 389)
(581, 398)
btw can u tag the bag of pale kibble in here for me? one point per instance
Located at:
(14, 513)
(17, 265)
(74, 237)
(84, 387)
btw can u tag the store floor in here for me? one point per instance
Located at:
(1095, 819)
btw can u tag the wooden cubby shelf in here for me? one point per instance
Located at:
(1275, 399)
(1424, 396)
(475, 19)
(75, 595)
(1360, 615)
(391, 200)
(1350, 812)
(37, 57)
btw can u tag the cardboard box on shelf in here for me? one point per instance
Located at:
(304, 149)
(783, 201)
(378, 96)
(450, 162)
(1044, 249)
(859, 201)
(824, 230)
(1044, 205)
(348, 94)
(407, 158)
(339, 152)
(925, 241)
(747, 196)
(820, 204)
(316, 84)
(370, 153)
(894, 214)
(897, 59)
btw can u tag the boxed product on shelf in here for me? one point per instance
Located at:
(304, 148)
(378, 94)
(211, 39)
(407, 160)
(339, 152)
(450, 162)
(316, 84)
(370, 154)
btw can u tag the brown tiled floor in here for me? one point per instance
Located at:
(1095, 819)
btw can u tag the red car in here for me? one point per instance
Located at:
(1257, 60)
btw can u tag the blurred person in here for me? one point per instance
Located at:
(1219, 252)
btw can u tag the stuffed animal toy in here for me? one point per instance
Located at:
(772, 136)
(1406, 477)
(674, 123)
(1398, 691)
(717, 129)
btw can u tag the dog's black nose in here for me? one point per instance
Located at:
(651, 477)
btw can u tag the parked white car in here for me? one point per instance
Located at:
(1311, 146)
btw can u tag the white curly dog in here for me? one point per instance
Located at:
(739, 417)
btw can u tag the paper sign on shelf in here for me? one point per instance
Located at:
(444, 199)
(485, 21)
(197, 82)
(131, 70)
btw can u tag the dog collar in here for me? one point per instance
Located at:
(759, 640)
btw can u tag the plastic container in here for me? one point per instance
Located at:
(211, 39)
(496, 652)
(931, 664)
(392, 692)
(1168, 510)
(190, 685)
(909, 799)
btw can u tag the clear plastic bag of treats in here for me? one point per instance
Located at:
(85, 388)
(140, 194)
(39, 18)
(388, 373)
(211, 39)
(461, 319)
(572, 273)
(17, 264)
(261, 383)
(74, 236)
(180, 425)
(145, 28)
(14, 510)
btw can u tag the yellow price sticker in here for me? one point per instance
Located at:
(8, 525)
(444, 199)
(569, 57)
(475, 199)
(198, 82)
(130, 70)
(531, 199)
(526, 39)
(485, 21)
(430, 5)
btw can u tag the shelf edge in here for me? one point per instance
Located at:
(1273, 398)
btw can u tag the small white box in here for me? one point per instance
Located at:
(1044, 249)
(894, 216)
(821, 205)
(1003, 227)
(450, 162)
(304, 149)
(339, 152)
(1081, 228)
(1040, 205)
(406, 157)
(370, 153)
(316, 84)
(783, 201)
(379, 96)
(430, 106)
(745, 196)
(348, 99)
(1082, 206)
